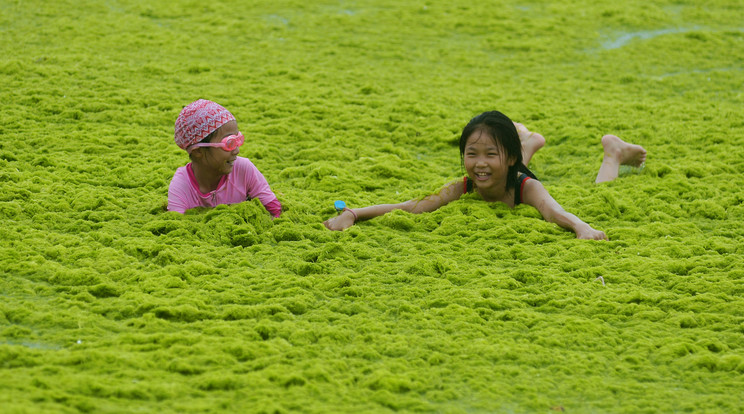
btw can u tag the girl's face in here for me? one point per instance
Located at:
(217, 159)
(486, 163)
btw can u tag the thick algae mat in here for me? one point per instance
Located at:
(110, 304)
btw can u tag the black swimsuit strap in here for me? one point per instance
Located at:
(523, 169)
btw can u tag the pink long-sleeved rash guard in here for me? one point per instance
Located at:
(243, 183)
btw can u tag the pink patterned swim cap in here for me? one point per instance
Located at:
(199, 119)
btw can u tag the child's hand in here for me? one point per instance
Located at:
(588, 233)
(341, 222)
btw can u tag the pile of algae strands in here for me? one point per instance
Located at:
(111, 304)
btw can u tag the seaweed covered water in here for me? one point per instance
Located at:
(111, 304)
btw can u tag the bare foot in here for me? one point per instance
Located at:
(531, 142)
(616, 153)
(623, 152)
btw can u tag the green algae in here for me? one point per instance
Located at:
(111, 304)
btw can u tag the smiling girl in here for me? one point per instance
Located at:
(216, 174)
(495, 151)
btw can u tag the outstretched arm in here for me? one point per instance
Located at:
(537, 196)
(346, 219)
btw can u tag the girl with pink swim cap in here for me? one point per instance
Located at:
(216, 174)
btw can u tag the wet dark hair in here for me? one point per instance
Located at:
(499, 127)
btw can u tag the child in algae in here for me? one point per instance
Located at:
(495, 152)
(215, 175)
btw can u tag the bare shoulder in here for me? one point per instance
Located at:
(532, 185)
(534, 193)
(454, 189)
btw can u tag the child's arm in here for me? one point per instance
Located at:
(346, 219)
(537, 196)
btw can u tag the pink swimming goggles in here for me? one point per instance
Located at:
(228, 143)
